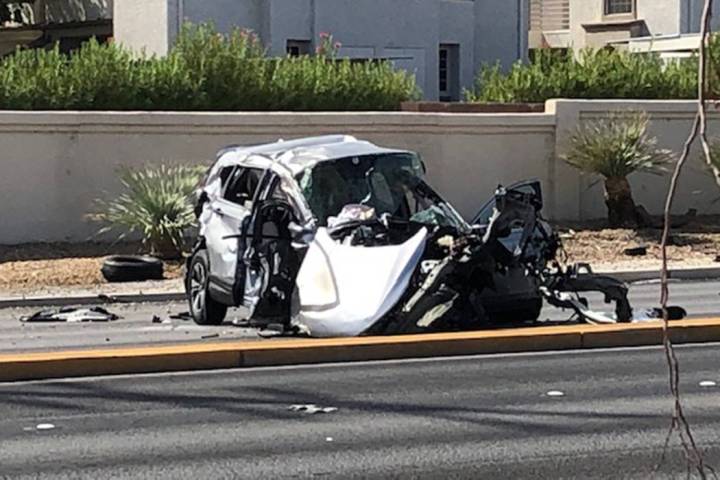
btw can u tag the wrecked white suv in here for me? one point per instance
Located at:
(333, 236)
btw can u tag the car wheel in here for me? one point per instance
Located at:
(203, 308)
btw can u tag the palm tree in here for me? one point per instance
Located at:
(615, 148)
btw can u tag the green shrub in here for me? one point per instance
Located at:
(601, 73)
(157, 203)
(204, 71)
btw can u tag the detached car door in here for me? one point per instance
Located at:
(229, 215)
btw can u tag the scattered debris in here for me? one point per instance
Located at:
(158, 319)
(708, 383)
(71, 315)
(651, 314)
(312, 409)
(241, 323)
(277, 330)
(328, 439)
(108, 298)
(212, 335)
(181, 316)
(640, 251)
(555, 393)
(45, 426)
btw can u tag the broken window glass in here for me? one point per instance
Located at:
(242, 186)
(392, 184)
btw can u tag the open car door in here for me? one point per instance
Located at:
(271, 263)
(227, 214)
(514, 232)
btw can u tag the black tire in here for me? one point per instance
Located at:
(532, 309)
(203, 308)
(521, 311)
(132, 268)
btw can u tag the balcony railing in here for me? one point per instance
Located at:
(41, 12)
(547, 15)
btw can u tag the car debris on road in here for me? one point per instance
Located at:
(72, 315)
(334, 236)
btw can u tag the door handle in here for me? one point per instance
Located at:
(219, 211)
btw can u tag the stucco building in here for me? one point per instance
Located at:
(443, 42)
(669, 27)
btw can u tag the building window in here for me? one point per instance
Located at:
(613, 7)
(443, 69)
(448, 73)
(296, 48)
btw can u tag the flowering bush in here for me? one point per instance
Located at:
(327, 47)
(205, 70)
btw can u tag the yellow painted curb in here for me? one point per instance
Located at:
(205, 356)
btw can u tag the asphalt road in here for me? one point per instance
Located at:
(472, 417)
(701, 299)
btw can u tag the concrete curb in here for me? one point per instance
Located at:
(34, 366)
(705, 273)
(91, 300)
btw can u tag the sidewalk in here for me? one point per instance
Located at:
(154, 290)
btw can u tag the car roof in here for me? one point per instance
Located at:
(297, 155)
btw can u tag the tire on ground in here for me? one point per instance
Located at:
(132, 268)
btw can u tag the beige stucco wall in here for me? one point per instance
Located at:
(671, 123)
(661, 17)
(145, 25)
(53, 165)
(581, 13)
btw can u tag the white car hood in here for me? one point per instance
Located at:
(343, 290)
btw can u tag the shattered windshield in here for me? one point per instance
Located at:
(390, 183)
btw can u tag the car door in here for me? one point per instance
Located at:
(229, 214)
(482, 218)
(515, 293)
(271, 264)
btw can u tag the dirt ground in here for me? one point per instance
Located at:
(696, 244)
(27, 268)
(32, 267)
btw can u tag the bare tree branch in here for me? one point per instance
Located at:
(679, 423)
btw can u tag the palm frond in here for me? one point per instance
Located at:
(616, 147)
(156, 203)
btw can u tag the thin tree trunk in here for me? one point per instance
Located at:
(620, 204)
